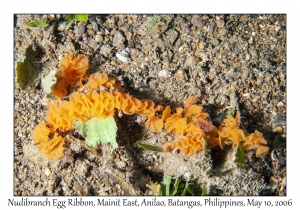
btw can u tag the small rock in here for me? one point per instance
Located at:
(31, 153)
(180, 75)
(89, 26)
(91, 32)
(62, 26)
(113, 32)
(201, 45)
(181, 58)
(280, 104)
(123, 58)
(98, 38)
(121, 164)
(164, 73)
(134, 54)
(111, 23)
(113, 63)
(278, 129)
(16, 91)
(128, 36)
(47, 171)
(103, 193)
(75, 146)
(79, 30)
(105, 50)
(248, 56)
(93, 44)
(190, 61)
(118, 40)
(171, 36)
(95, 26)
(246, 95)
(220, 23)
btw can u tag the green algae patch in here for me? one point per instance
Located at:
(240, 156)
(150, 147)
(98, 131)
(37, 23)
(26, 72)
(48, 81)
(176, 187)
(78, 17)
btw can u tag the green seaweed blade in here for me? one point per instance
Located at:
(26, 72)
(98, 131)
